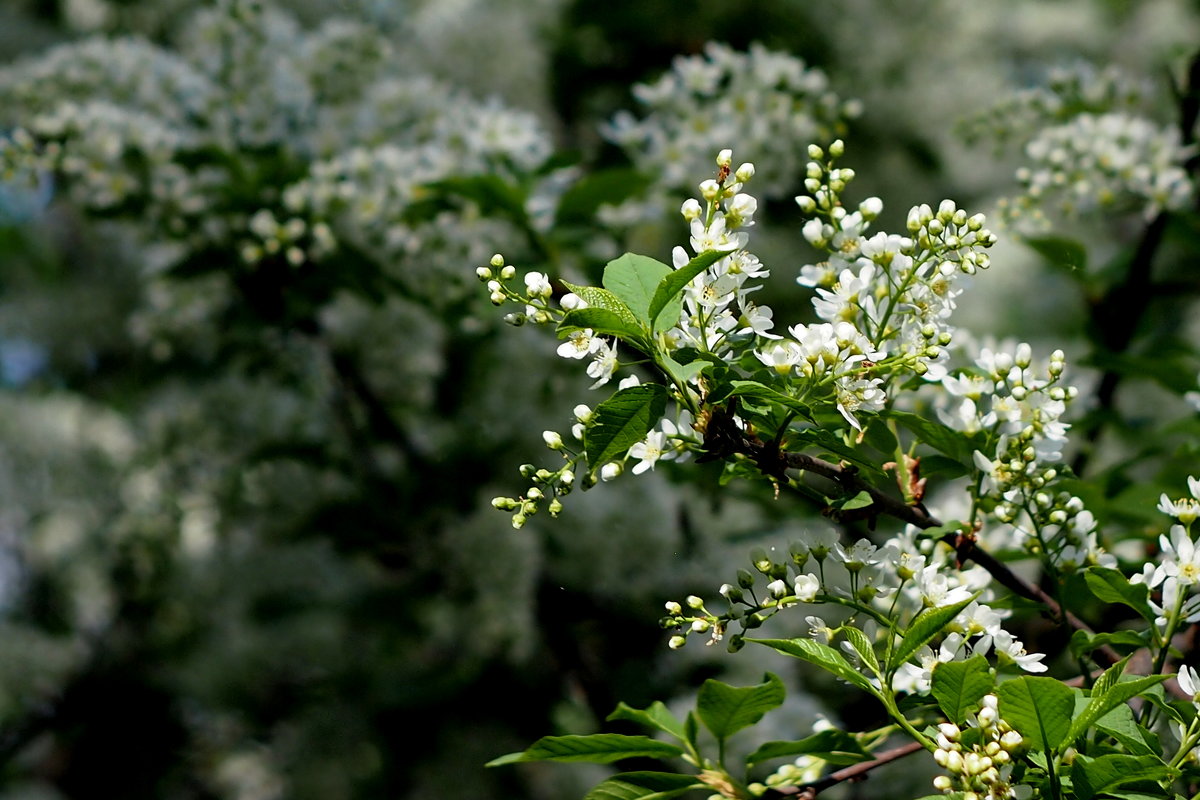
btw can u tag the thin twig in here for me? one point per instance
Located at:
(855, 772)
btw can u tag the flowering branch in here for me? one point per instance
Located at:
(855, 772)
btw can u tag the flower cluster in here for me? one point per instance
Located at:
(1065, 92)
(1107, 162)
(770, 103)
(898, 292)
(979, 760)
(327, 152)
(1019, 408)
(1177, 573)
(887, 586)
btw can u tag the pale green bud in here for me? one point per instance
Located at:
(497, 260)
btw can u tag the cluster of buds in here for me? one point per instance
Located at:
(788, 584)
(978, 758)
(547, 486)
(538, 291)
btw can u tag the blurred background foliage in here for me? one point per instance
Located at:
(246, 549)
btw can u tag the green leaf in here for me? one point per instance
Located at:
(958, 686)
(644, 786)
(603, 323)
(837, 747)
(669, 289)
(622, 421)
(1067, 254)
(1091, 776)
(1120, 725)
(654, 715)
(1109, 697)
(726, 709)
(955, 444)
(1112, 586)
(761, 391)
(684, 372)
(634, 279)
(1038, 708)
(580, 203)
(860, 500)
(862, 645)
(823, 656)
(1084, 642)
(928, 624)
(603, 298)
(597, 748)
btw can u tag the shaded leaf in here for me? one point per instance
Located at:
(1111, 586)
(597, 748)
(654, 715)
(602, 322)
(1106, 699)
(644, 786)
(837, 747)
(622, 421)
(1066, 254)
(862, 645)
(726, 709)
(1091, 776)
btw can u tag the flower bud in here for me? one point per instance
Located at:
(815, 152)
(552, 439)
(724, 158)
(673, 608)
(483, 273)
(497, 260)
(694, 602)
(676, 642)
(806, 203)
(745, 172)
(508, 273)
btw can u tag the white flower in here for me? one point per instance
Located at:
(1189, 681)
(1185, 509)
(807, 586)
(579, 344)
(1181, 558)
(781, 357)
(936, 591)
(858, 555)
(648, 451)
(604, 364)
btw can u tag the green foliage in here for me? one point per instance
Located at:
(1039, 709)
(622, 420)
(958, 686)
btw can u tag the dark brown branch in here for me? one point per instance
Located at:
(1119, 313)
(856, 772)
(774, 463)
